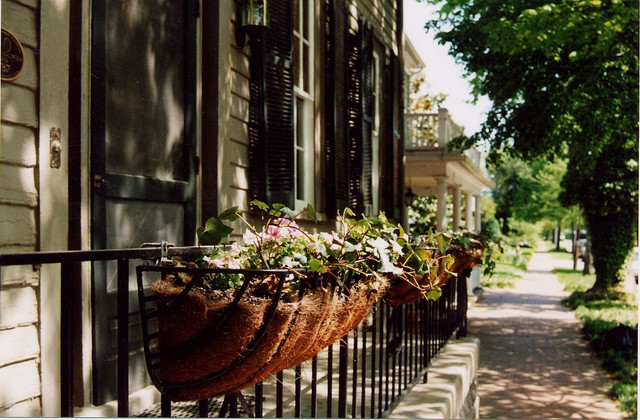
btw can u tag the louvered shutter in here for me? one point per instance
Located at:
(366, 78)
(349, 110)
(397, 145)
(392, 158)
(336, 128)
(271, 149)
(354, 115)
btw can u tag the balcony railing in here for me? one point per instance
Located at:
(431, 129)
(434, 130)
(363, 375)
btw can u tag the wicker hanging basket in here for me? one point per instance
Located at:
(211, 343)
(402, 292)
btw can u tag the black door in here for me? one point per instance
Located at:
(142, 153)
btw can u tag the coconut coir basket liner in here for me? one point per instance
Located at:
(297, 331)
(330, 316)
(402, 292)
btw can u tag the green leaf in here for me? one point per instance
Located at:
(311, 212)
(317, 266)
(423, 254)
(259, 204)
(214, 231)
(434, 294)
(230, 214)
(205, 237)
(290, 214)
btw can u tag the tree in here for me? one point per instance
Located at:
(529, 191)
(563, 78)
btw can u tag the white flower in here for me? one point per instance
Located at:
(300, 258)
(379, 243)
(250, 238)
(396, 247)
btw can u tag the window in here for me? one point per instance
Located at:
(304, 168)
(375, 138)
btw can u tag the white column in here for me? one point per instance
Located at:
(468, 211)
(456, 207)
(441, 211)
(443, 124)
(478, 224)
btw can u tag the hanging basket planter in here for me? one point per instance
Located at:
(211, 342)
(444, 256)
(465, 258)
(240, 313)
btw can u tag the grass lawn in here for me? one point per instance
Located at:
(510, 267)
(599, 313)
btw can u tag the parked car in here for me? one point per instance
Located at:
(581, 247)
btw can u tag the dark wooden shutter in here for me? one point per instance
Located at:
(336, 128)
(354, 115)
(366, 74)
(349, 110)
(392, 180)
(271, 149)
(398, 137)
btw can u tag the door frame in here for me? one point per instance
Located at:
(52, 217)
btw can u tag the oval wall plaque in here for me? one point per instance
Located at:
(12, 56)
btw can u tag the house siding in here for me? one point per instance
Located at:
(234, 78)
(382, 16)
(233, 117)
(19, 288)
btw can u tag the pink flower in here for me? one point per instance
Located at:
(275, 232)
(232, 262)
(215, 262)
(289, 226)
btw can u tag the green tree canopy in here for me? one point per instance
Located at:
(563, 78)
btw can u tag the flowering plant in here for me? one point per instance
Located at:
(229, 323)
(368, 246)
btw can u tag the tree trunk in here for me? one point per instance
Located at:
(613, 238)
(586, 259)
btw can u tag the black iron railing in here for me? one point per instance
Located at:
(366, 374)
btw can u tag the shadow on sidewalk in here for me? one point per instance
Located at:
(534, 360)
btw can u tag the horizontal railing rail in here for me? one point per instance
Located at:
(365, 374)
(430, 129)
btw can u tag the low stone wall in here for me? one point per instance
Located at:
(450, 391)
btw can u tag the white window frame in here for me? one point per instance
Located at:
(375, 136)
(304, 107)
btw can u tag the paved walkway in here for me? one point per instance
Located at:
(534, 361)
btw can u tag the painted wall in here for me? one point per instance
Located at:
(19, 289)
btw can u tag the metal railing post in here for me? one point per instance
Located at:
(123, 337)
(66, 340)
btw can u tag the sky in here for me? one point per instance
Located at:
(442, 74)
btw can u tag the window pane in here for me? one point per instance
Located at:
(307, 68)
(300, 177)
(300, 162)
(131, 223)
(144, 89)
(296, 15)
(305, 19)
(296, 61)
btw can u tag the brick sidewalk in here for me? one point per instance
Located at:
(534, 360)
